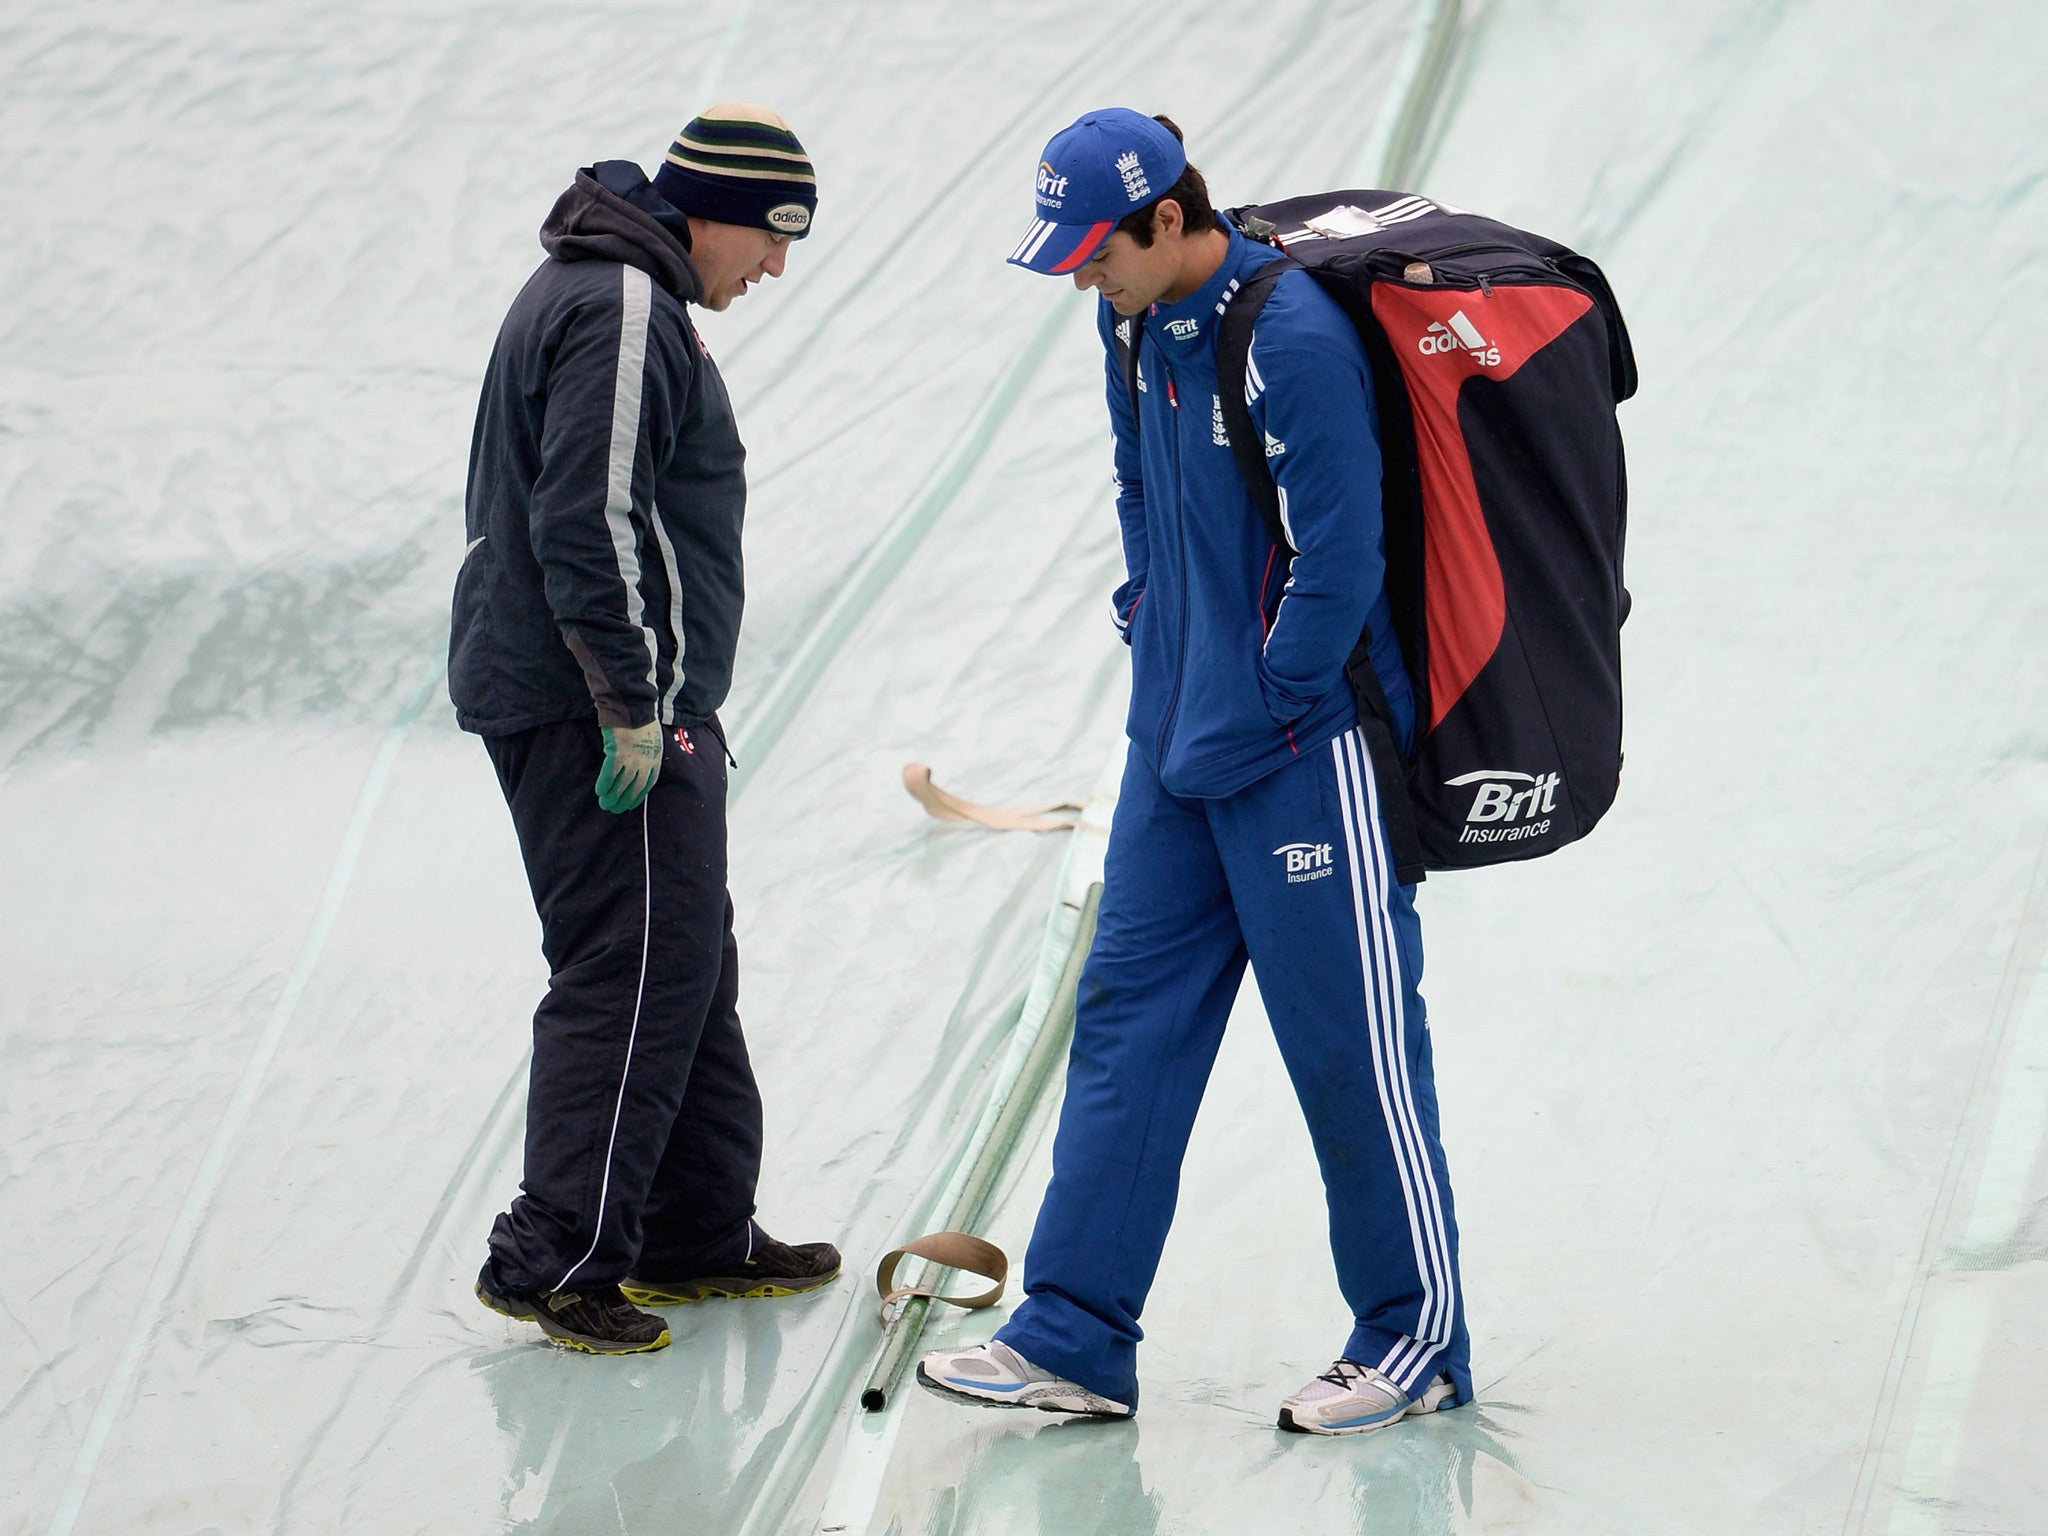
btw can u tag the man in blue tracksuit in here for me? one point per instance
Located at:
(1249, 824)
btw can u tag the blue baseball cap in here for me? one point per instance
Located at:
(1103, 166)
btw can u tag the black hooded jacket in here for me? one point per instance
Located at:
(606, 484)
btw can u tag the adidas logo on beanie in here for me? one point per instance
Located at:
(738, 163)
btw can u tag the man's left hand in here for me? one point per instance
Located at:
(632, 762)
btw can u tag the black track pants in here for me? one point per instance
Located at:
(643, 1124)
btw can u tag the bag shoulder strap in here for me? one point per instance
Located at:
(1233, 360)
(1375, 715)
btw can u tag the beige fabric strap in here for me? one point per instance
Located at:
(953, 1250)
(947, 806)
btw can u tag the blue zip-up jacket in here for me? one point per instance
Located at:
(1237, 656)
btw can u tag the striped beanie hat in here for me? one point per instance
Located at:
(738, 163)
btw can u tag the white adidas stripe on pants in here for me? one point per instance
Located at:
(1386, 1016)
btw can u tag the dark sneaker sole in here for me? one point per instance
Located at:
(518, 1311)
(595, 1346)
(587, 1344)
(939, 1389)
(719, 1288)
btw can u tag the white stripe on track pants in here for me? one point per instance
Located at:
(1291, 872)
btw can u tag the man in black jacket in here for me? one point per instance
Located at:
(592, 643)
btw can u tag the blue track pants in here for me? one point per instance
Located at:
(1292, 872)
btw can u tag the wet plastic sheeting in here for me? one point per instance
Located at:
(1743, 1098)
(267, 947)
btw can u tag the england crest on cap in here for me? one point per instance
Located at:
(1106, 164)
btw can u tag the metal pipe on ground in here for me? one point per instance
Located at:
(1009, 1115)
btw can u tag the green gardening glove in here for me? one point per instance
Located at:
(632, 762)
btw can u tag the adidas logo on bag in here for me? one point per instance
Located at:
(1458, 334)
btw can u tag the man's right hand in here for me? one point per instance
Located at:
(632, 762)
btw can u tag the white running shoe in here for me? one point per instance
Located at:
(1352, 1399)
(995, 1373)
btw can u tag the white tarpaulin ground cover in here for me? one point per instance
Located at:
(1744, 1099)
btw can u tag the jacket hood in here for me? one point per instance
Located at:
(612, 213)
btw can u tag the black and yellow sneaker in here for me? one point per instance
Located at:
(597, 1319)
(772, 1269)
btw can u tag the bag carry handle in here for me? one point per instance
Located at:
(952, 1250)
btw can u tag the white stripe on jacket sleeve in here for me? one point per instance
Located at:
(675, 615)
(634, 315)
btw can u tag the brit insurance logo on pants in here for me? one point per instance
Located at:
(1305, 861)
(1503, 812)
